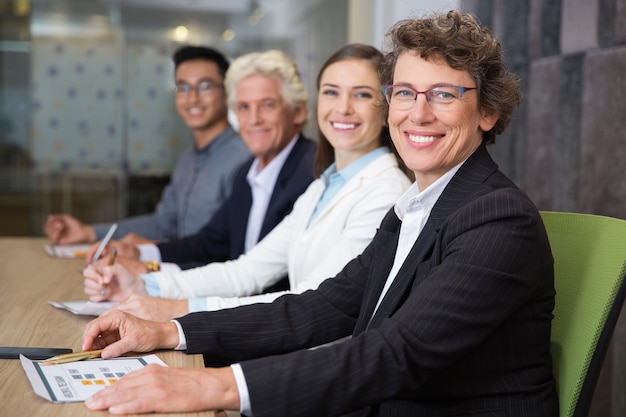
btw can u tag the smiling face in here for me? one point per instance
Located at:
(201, 111)
(346, 109)
(430, 140)
(266, 121)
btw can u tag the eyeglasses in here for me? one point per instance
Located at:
(402, 97)
(203, 88)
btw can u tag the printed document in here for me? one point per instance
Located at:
(77, 381)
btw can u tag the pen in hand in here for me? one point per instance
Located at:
(103, 243)
(72, 357)
(112, 256)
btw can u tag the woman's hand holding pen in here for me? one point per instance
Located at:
(119, 282)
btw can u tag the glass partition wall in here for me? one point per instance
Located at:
(87, 118)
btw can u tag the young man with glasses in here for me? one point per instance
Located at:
(203, 177)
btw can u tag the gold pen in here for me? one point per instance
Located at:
(112, 256)
(72, 357)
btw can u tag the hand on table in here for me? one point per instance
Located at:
(118, 332)
(154, 388)
(161, 389)
(64, 229)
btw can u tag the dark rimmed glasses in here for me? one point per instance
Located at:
(403, 97)
(203, 88)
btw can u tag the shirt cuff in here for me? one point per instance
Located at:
(182, 340)
(244, 397)
(149, 252)
(152, 285)
(196, 304)
(170, 267)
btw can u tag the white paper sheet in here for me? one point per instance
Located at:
(77, 381)
(67, 251)
(85, 308)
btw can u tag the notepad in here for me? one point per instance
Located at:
(77, 381)
(67, 251)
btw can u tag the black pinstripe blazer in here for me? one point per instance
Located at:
(464, 330)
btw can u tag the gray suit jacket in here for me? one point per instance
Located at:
(464, 330)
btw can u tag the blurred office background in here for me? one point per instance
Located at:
(87, 118)
(88, 125)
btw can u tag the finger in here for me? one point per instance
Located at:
(92, 288)
(119, 331)
(53, 229)
(109, 397)
(127, 396)
(94, 295)
(54, 238)
(105, 328)
(91, 251)
(91, 278)
(91, 334)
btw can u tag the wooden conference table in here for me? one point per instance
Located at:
(28, 280)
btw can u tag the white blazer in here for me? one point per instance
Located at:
(308, 255)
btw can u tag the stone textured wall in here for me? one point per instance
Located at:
(566, 146)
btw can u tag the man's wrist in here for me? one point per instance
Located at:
(170, 338)
(230, 393)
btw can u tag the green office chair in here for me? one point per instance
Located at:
(589, 266)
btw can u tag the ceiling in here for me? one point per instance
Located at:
(206, 6)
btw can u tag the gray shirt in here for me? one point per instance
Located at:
(200, 182)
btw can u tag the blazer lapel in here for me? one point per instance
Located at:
(404, 279)
(277, 200)
(461, 187)
(384, 245)
(372, 170)
(345, 190)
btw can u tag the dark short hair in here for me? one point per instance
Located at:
(191, 53)
(465, 45)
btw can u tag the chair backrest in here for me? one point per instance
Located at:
(589, 265)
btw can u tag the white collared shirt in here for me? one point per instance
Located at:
(413, 209)
(262, 182)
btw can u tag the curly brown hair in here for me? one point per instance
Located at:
(465, 45)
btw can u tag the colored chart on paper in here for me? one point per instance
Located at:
(77, 381)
